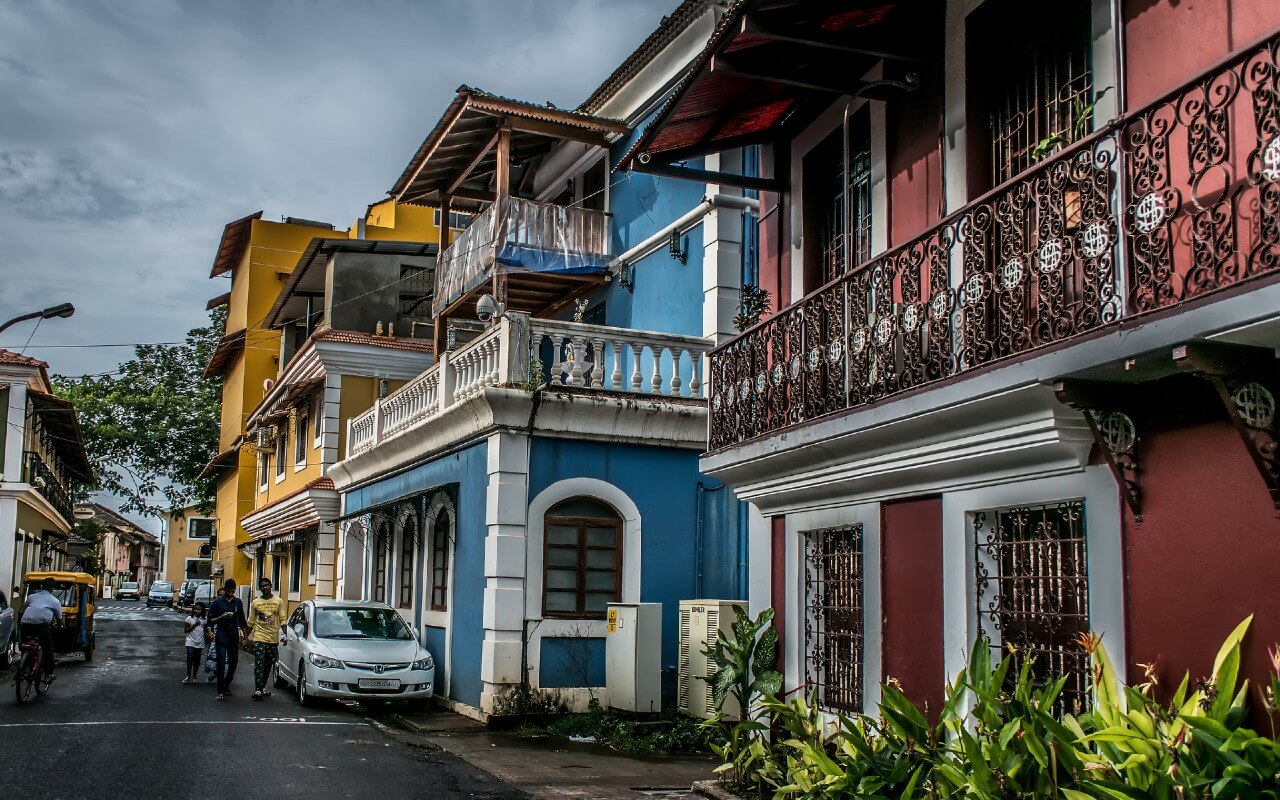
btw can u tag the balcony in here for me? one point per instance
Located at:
(1167, 204)
(37, 473)
(545, 254)
(569, 356)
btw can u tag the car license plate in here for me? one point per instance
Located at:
(379, 683)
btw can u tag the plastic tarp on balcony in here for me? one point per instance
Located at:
(516, 235)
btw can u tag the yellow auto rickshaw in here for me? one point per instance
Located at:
(76, 592)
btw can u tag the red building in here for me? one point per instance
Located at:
(1019, 376)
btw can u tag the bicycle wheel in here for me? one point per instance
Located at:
(24, 681)
(42, 685)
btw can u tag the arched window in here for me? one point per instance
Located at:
(380, 561)
(582, 559)
(408, 535)
(440, 536)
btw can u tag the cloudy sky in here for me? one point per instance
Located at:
(131, 132)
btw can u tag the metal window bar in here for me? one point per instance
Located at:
(1032, 593)
(1038, 93)
(833, 635)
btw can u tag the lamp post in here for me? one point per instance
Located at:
(63, 310)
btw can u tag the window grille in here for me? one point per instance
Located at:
(1040, 78)
(1033, 590)
(833, 634)
(582, 559)
(300, 438)
(380, 562)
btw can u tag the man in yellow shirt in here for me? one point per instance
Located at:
(266, 615)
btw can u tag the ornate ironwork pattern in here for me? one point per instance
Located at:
(833, 616)
(1032, 590)
(1188, 189)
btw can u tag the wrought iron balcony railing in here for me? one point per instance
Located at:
(38, 474)
(1169, 202)
(521, 235)
(571, 354)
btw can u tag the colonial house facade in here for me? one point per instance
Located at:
(1019, 379)
(258, 344)
(546, 464)
(190, 537)
(129, 551)
(43, 467)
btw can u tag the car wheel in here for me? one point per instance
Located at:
(305, 700)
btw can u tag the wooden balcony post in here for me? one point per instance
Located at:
(502, 187)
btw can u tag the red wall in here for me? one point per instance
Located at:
(911, 592)
(1170, 41)
(1206, 552)
(914, 154)
(778, 585)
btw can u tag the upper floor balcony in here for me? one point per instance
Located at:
(1161, 209)
(526, 354)
(543, 253)
(37, 473)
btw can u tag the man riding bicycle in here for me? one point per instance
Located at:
(38, 614)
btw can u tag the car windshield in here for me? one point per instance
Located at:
(128, 585)
(65, 592)
(162, 586)
(360, 623)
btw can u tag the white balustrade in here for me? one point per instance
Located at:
(593, 357)
(621, 359)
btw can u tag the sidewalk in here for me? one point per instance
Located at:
(558, 769)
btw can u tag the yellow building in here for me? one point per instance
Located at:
(260, 258)
(189, 541)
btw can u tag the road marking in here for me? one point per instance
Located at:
(98, 722)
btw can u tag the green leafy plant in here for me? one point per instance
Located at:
(744, 663)
(753, 303)
(1079, 129)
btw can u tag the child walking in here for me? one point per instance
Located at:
(194, 625)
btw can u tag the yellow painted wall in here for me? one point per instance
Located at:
(273, 251)
(178, 548)
(293, 478)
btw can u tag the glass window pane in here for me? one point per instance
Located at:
(562, 601)
(562, 534)
(597, 601)
(601, 580)
(602, 559)
(602, 537)
(562, 579)
(561, 557)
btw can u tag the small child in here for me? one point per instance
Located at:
(194, 625)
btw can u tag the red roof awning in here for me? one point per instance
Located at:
(774, 64)
(235, 238)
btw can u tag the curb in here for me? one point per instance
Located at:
(407, 724)
(714, 790)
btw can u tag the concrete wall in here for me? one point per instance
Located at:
(363, 289)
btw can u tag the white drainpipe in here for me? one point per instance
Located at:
(689, 219)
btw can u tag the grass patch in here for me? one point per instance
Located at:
(670, 734)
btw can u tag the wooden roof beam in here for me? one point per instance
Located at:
(466, 170)
(754, 27)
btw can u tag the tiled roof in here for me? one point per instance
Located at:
(319, 484)
(668, 29)
(355, 337)
(10, 357)
(235, 238)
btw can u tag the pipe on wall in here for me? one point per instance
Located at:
(681, 225)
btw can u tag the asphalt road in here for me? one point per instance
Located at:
(124, 726)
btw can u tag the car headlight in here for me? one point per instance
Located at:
(425, 663)
(324, 662)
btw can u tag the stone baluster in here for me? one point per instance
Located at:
(579, 352)
(597, 363)
(615, 380)
(675, 371)
(557, 359)
(637, 380)
(656, 380)
(695, 382)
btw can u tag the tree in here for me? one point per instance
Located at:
(151, 428)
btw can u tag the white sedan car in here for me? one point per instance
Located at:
(354, 650)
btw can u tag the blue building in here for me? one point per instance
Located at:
(547, 463)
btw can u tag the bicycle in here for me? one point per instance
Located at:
(30, 677)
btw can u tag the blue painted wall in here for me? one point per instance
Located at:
(564, 661)
(663, 483)
(468, 469)
(433, 638)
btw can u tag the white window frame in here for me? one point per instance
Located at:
(313, 558)
(302, 422)
(280, 452)
(191, 538)
(1104, 552)
(317, 420)
(264, 471)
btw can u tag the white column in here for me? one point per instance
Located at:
(8, 550)
(15, 433)
(331, 424)
(722, 255)
(506, 510)
(326, 545)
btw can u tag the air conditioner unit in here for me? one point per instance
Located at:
(702, 624)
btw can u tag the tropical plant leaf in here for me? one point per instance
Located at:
(766, 654)
(768, 682)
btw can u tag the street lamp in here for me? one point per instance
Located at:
(63, 310)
